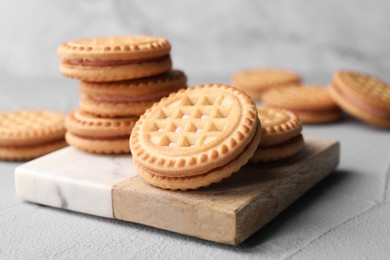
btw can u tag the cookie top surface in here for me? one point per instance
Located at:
(82, 123)
(278, 125)
(265, 77)
(367, 88)
(306, 97)
(195, 130)
(115, 48)
(27, 127)
(171, 81)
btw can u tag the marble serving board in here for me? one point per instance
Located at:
(228, 212)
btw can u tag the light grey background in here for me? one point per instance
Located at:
(211, 38)
(345, 217)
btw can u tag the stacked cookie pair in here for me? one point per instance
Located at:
(362, 96)
(120, 77)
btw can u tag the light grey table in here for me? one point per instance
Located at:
(347, 216)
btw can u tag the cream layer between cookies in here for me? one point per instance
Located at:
(362, 105)
(102, 63)
(289, 141)
(105, 138)
(50, 141)
(121, 99)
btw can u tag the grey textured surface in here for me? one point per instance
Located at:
(345, 216)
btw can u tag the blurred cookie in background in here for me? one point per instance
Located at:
(28, 134)
(255, 82)
(363, 97)
(313, 104)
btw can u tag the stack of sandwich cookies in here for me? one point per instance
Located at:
(99, 135)
(28, 134)
(280, 135)
(115, 58)
(312, 104)
(120, 77)
(131, 97)
(195, 137)
(256, 82)
(362, 96)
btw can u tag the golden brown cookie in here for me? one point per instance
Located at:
(312, 104)
(129, 98)
(256, 82)
(115, 58)
(99, 135)
(362, 96)
(280, 135)
(195, 137)
(27, 134)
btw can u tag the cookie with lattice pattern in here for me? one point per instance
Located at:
(27, 134)
(313, 104)
(98, 135)
(280, 135)
(255, 82)
(365, 97)
(115, 58)
(195, 137)
(131, 97)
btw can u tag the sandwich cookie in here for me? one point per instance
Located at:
(280, 135)
(27, 134)
(312, 104)
(256, 82)
(98, 135)
(362, 96)
(115, 58)
(128, 98)
(195, 137)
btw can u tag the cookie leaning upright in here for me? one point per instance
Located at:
(195, 137)
(255, 82)
(362, 96)
(115, 58)
(311, 103)
(280, 135)
(27, 134)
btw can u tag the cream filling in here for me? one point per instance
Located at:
(103, 63)
(146, 98)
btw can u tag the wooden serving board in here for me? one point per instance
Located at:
(228, 212)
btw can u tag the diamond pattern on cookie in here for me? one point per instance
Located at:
(201, 118)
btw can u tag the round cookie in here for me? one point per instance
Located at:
(129, 98)
(27, 134)
(280, 135)
(256, 82)
(115, 58)
(195, 137)
(312, 104)
(98, 135)
(362, 96)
